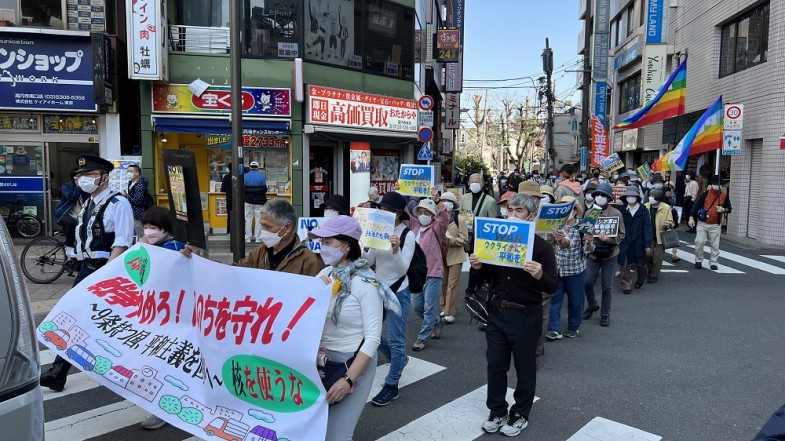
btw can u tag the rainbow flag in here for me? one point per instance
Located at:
(667, 103)
(704, 136)
(661, 164)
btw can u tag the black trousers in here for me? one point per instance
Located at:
(61, 366)
(512, 334)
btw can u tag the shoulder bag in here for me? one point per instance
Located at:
(332, 371)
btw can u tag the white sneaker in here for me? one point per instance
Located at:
(449, 319)
(515, 424)
(492, 424)
(442, 314)
(153, 422)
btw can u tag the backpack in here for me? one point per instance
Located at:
(418, 268)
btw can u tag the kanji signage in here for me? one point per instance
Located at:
(356, 109)
(148, 54)
(46, 72)
(448, 45)
(257, 101)
(272, 142)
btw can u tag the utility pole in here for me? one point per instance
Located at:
(586, 89)
(547, 66)
(238, 197)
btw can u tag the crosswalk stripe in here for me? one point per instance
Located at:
(689, 257)
(414, 371)
(607, 430)
(94, 422)
(777, 258)
(47, 356)
(76, 383)
(459, 420)
(752, 263)
(673, 271)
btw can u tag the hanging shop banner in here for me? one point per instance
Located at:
(216, 351)
(377, 226)
(607, 225)
(453, 72)
(599, 142)
(384, 170)
(360, 165)
(305, 225)
(453, 111)
(655, 22)
(257, 101)
(653, 70)
(503, 242)
(357, 109)
(46, 72)
(416, 180)
(586, 224)
(611, 163)
(148, 53)
(552, 217)
(447, 45)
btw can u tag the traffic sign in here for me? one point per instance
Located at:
(425, 134)
(731, 143)
(584, 157)
(425, 118)
(425, 153)
(426, 102)
(734, 116)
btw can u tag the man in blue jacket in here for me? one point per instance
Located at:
(255, 197)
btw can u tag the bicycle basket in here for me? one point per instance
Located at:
(477, 303)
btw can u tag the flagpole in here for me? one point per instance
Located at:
(717, 165)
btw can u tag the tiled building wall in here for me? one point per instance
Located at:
(694, 29)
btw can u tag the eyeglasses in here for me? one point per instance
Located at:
(91, 174)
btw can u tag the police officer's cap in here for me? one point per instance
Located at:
(91, 162)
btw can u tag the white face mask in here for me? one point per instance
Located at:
(715, 187)
(653, 201)
(601, 200)
(632, 200)
(330, 213)
(615, 176)
(425, 219)
(153, 236)
(331, 255)
(87, 184)
(475, 187)
(658, 185)
(131, 175)
(503, 211)
(270, 239)
(448, 205)
(589, 198)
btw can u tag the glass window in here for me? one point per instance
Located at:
(630, 20)
(744, 42)
(622, 26)
(630, 94)
(616, 26)
(614, 39)
(271, 27)
(389, 39)
(334, 32)
(205, 13)
(42, 13)
(642, 11)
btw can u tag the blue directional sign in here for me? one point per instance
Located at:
(425, 153)
(731, 143)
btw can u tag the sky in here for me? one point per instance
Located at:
(505, 38)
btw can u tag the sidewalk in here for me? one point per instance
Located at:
(44, 297)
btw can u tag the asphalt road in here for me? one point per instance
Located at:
(696, 356)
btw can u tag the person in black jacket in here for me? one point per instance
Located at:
(226, 188)
(71, 199)
(514, 325)
(255, 197)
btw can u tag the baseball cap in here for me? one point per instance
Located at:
(338, 225)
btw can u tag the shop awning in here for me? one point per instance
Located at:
(219, 126)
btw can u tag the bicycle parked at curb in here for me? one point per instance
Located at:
(17, 221)
(44, 259)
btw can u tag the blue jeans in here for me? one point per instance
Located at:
(394, 345)
(573, 285)
(426, 305)
(593, 268)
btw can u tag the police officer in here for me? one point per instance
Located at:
(105, 229)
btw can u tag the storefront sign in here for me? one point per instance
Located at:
(627, 56)
(70, 125)
(601, 101)
(601, 40)
(655, 19)
(599, 142)
(453, 76)
(257, 101)
(21, 184)
(453, 111)
(416, 180)
(46, 72)
(653, 70)
(148, 53)
(262, 142)
(102, 69)
(448, 45)
(215, 350)
(503, 242)
(19, 124)
(357, 109)
(86, 15)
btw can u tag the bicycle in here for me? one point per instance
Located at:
(44, 260)
(27, 225)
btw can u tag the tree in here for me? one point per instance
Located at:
(471, 164)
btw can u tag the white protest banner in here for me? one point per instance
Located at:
(210, 348)
(306, 224)
(377, 226)
(607, 225)
(415, 180)
(503, 242)
(552, 217)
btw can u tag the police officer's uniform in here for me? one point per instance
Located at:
(106, 221)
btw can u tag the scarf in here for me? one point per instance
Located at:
(361, 268)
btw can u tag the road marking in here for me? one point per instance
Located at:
(465, 267)
(752, 263)
(673, 271)
(414, 371)
(777, 258)
(606, 430)
(689, 257)
(459, 420)
(76, 383)
(94, 422)
(47, 356)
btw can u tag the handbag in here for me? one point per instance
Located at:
(478, 302)
(603, 251)
(332, 371)
(670, 239)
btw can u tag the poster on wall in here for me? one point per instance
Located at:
(182, 182)
(384, 170)
(118, 177)
(330, 34)
(359, 163)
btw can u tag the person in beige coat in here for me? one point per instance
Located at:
(454, 257)
(662, 220)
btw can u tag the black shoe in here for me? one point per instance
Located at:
(627, 291)
(698, 265)
(605, 321)
(51, 383)
(714, 267)
(638, 284)
(651, 280)
(589, 312)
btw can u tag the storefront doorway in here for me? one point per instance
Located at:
(321, 179)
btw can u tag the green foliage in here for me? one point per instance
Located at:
(47, 326)
(102, 365)
(191, 415)
(472, 164)
(170, 404)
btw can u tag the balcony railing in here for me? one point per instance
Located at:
(199, 40)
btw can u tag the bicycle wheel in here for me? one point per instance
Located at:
(28, 226)
(42, 260)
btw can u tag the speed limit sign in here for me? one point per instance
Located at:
(734, 116)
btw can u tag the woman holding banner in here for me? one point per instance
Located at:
(353, 326)
(457, 236)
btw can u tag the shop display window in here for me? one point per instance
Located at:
(272, 28)
(274, 164)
